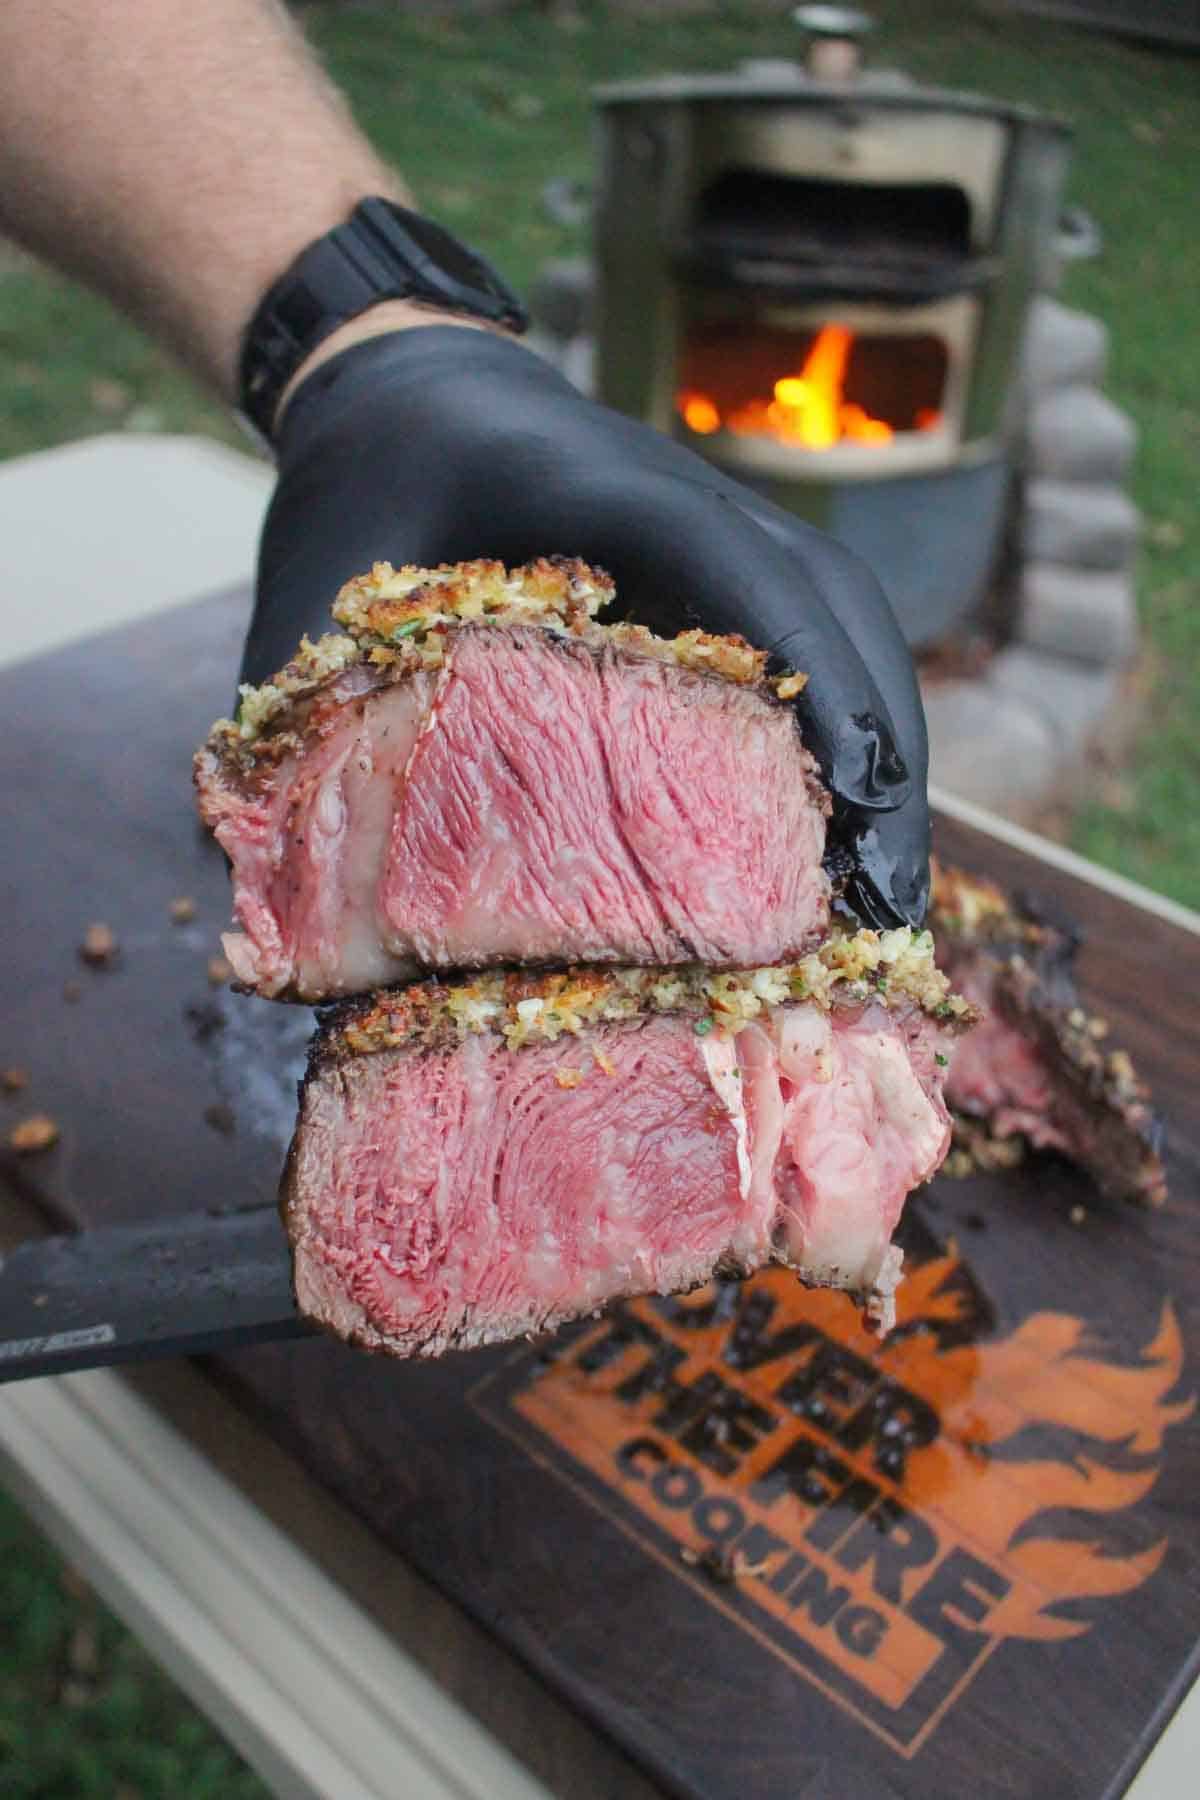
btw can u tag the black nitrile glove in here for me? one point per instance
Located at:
(439, 444)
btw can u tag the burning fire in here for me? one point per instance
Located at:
(808, 409)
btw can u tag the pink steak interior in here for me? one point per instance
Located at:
(537, 801)
(468, 1194)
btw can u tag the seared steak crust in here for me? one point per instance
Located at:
(1039, 1069)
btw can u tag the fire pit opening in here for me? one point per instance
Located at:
(788, 230)
(810, 388)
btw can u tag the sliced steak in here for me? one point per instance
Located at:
(476, 1162)
(1038, 1069)
(480, 774)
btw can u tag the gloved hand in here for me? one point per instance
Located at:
(438, 444)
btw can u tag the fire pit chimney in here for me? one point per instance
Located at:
(833, 48)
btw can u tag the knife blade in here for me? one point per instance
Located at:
(194, 1285)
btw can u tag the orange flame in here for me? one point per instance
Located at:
(985, 1394)
(699, 413)
(808, 410)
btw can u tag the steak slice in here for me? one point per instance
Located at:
(479, 773)
(477, 1162)
(1037, 1070)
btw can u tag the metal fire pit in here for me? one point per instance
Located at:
(818, 277)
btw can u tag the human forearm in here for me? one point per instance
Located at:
(176, 155)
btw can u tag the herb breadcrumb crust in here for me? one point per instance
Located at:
(398, 621)
(895, 968)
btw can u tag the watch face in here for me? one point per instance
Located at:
(446, 253)
(432, 264)
(436, 265)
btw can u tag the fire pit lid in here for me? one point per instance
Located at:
(766, 81)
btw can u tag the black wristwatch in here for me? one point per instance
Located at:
(382, 252)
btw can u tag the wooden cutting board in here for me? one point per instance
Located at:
(761, 1552)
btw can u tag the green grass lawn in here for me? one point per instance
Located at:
(85, 1712)
(478, 116)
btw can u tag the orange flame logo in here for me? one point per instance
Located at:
(1040, 1381)
(883, 1514)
